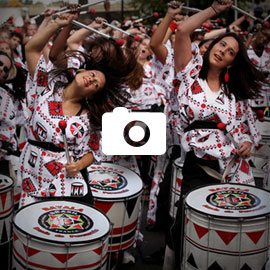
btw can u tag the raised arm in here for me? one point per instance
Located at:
(36, 44)
(75, 40)
(156, 42)
(182, 47)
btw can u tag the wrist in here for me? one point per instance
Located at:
(228, 30)
(214, 9)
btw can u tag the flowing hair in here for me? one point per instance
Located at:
(114, 62)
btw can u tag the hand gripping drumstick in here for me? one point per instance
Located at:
(118, 41)
(136, 37)
(63, 124)
(222, 126)
(239, 10)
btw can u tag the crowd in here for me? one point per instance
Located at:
(209, 77)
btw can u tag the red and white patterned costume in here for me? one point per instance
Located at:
(42, 172)
(7, 121)
(163, 81)
(261, 158)
(213, 143)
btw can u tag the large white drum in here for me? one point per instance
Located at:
(117, 192)
(6, 208)
(60, 235)
(226, 227)
(176, 183)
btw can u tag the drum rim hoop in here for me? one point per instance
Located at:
(137, 194)
(62, 242)
(9, 186)
(267, 215)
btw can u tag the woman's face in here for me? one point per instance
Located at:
(144, 49)
(224, 52)
(5, 66)
(204, 47)
(90, 82)
(4, 47)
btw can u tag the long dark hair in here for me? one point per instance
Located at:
(245, 80)
(115, 62)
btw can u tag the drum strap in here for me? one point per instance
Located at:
(217, 175)
(198, 124)
(47, 146)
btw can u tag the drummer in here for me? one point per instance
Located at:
(214, 89)
(79, 99)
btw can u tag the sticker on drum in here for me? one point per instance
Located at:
(226, 227)
(230, 200)
(57, 234)
(117, 192)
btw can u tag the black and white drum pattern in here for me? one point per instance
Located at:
(117, 192)
(176, 183)
(226, 227)
(6, 208)
(60, 235)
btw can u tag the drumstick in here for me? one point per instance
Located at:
(63, 124)
(239, 10)
(184, 7)
(155, 14)
(81, 7)
(118, 41)
(222, 126)
(92, 11)
(136, 37)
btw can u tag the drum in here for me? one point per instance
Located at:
(226, 227)
(117, 192)
(260, 155)
(176, 182)
(6, 213)
(60, 235)
(6, 208)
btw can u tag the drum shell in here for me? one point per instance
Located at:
(6, 209)
(176, 183)
(123, 215)
(119, 202)
(216, 242)
(34, 252)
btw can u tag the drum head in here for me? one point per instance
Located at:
(62, 222)
(230, 201)
(5, 183)
(109, 181)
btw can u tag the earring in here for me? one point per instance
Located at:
(87, 102)
(226, 76)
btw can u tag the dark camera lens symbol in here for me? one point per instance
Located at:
(133, 124)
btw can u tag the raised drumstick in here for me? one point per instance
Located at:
(62, 125)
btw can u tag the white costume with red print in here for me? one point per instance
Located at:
(42, 172)
(163, 78)
(7, 121)
(263, 64)
(260, 159)
(213, 143)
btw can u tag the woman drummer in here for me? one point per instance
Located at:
(78, 100)
(216, 123)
